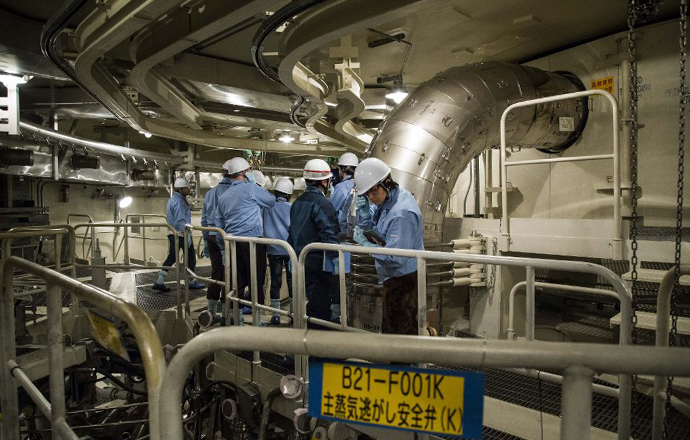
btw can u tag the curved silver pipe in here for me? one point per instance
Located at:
(101, 147)
(430, 137)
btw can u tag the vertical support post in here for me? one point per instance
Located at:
(126, 239)
(343, 289)
(57, 242)
(488, 182)
(576, 403)
(55, 354)
(529, 315)
(185, 254)
(239, 319)
(256, 313)
(92, 229)
(142, 221)
(8, 394)
(179, 270)
(228, 282)
(421, 296)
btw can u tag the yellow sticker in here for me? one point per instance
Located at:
(405, 398)
(603, 84)
(104, 332)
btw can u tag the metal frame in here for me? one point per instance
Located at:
(505, 220)
(84, 250)
(578, 360)
(143, 233)
(528, 263)
(172, 231)
(144, 331)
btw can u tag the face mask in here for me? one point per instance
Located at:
(250, 177)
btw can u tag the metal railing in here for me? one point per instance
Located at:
(84, 250)
(141, 326)
(614, 156)
(231, 285)
(530, 264)
(578, 361)
(172, 231)
(143, 237)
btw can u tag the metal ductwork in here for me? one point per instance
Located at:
(447, 121)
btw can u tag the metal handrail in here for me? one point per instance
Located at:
(143, 231)
(231, 285)
(530, 264)
(84, 251)
(172, 230)
(505, 221)
(573, 358)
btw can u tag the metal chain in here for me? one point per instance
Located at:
(679, 200)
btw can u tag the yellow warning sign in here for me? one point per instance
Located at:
(603, 84)
(104, 332)
(399, 397)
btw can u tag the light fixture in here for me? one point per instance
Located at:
(125, 202)
(13, 80)
(146, 134)
(398, 93)
(286, 138)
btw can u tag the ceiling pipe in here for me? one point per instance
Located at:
(432, 136)
(101, 147)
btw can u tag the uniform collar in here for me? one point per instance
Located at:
(314, 189)
(226, 181)
(391, 198)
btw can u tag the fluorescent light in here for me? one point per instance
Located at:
(13, 80)
(286, 138)
(125, 202)
(397, 95)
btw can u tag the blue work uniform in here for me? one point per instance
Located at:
(313, 219)
(399, 222)
(276, 224)
(341, 199)
(239, 213)
(208, 210)
(208, 219)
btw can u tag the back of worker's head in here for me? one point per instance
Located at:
(283, 188)
(317, 174)
(347, 163)
(235, 167)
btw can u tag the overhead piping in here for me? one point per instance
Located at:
(101, 147)
(434, 134)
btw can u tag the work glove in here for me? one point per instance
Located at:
(250, 177)
(207, 252)
(363, 207)
(361, 239)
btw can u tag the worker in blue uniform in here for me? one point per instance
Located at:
(343, 191)
(313, 219)
(238, 212)
(178, 214)
(212, 250)
(396, 223)
(276, 225)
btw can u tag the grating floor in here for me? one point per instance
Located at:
(530, 393)
(491, 434)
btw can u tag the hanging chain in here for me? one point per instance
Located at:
(679, 200)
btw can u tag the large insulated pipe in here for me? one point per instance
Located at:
(430, 137)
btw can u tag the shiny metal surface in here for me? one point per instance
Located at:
(447, 121)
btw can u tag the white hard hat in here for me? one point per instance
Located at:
(268, 184)
(300, 184)
(236, 165)
(259, 177)
(369, 173)
(181, 182)
(317, 169)
(348, 160)
(283, 185)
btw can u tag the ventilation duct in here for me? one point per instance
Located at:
(16, 157)
(430, 138)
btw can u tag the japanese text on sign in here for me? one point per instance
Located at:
(602, 84)
(404, 398)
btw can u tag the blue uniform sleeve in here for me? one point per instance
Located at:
(327, 225)
(178, 216)
(339, 197)
(220, 218)
(398, 235)
(204, 212)
(264, 198)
